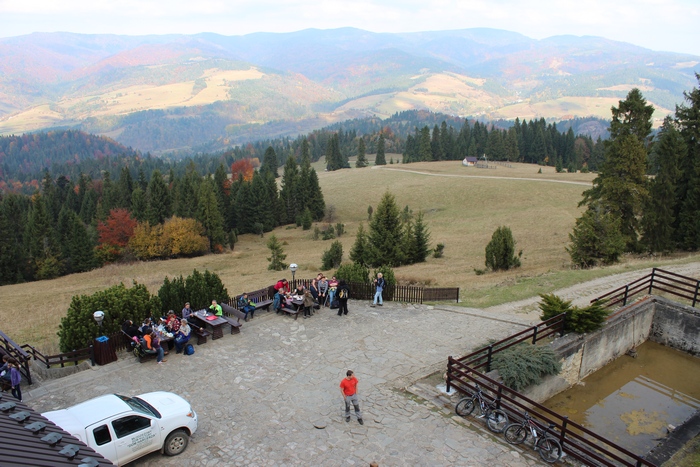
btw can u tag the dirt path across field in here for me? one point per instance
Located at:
(569, 182)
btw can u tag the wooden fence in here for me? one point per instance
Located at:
(658, 280)
(396, 293)
(62, 359)
(12, 349)
(577, 441)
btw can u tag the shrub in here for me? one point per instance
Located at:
(328, 233)
(198, 289)
(78, 328)
(306, 219)
(439, 250)
(353, 273)
(523, 365)
(317, 233)
(500, 252)
(339, 229)
(388, 274)
(596, 239)
(578, 320)
(332, 257)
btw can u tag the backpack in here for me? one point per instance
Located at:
(189, 349)
(343, 294)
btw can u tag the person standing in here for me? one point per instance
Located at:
(16, 380)
(380, 283)
(343, 296)
(348, 388)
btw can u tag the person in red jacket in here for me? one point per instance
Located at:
(348, 388)
(282, 286)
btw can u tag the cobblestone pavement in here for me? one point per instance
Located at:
(269, 396)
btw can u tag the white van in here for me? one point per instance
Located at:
(123, 429)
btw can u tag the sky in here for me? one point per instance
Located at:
(667, 25)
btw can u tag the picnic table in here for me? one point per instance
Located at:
(205, 318)
(292, 306)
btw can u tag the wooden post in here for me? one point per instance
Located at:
(488, 363)
(534, 335)
(563, 325)
(92, 355)
(498, 396)
(624, 300)
(449, 367)
(562, 435)
(651, 283)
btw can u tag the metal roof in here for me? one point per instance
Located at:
(26, 439)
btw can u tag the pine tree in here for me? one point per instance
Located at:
(138, 204)
(384, 230)
(381, 157)
(425, 151)
(157, 200)
(289, 191)
(269, 163)
(421, 240)
(125, 187)
(596, 238)
(658, 220)
(688, 194)
(81, 248)
(359, 253)
(436, 144)
(210, 215)
(361, 157)
(277, 255)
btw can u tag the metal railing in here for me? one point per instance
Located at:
(658, 280)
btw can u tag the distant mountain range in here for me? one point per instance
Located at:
(179, 92)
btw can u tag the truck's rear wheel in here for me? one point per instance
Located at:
(176, 443)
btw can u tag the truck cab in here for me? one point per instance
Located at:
(124, 429)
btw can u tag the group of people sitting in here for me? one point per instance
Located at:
(151, 335)
(321, 292)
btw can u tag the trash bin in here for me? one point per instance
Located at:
(104, 352)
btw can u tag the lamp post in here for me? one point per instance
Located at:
(293, 267)
(99, 316)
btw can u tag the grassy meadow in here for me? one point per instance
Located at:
(462, 207)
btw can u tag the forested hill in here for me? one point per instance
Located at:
(24, 156)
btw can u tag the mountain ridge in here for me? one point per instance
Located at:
(90, 82)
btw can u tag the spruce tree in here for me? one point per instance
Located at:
(361, 156)
(425, 151)
(421, 240)
(81, 248)
(658, 219)
(359, 253)
(688, 194)
(125, 187)
(210, 215)
(157, 200)
(436, 144)
(384, 230)
(290, 190)
(381, 157)
(596, 238)
(138, 204)
(269, 163)
(277, 255)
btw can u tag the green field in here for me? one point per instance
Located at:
(462, 210)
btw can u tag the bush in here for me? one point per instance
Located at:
(596, 239)
(523, 365)
(439, 250)
(306, 219)
(388, 274)
(332, 257)
(317, 233)
(500, 252)
(339, 229)
(198, 289)
(353, 273)
(78, 328)
(328, 233)
(578, 320)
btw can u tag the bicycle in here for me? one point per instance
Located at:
(548, 446)
(496, 419)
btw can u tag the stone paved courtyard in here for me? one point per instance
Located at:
(259, 394)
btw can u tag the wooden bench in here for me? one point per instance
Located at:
(200, 332)
(261, 298)
(233, 317)
(290, 312)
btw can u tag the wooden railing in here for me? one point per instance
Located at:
(16, 351)
(62, 359)
(658, 280)
(577, 441)
(483, 357)
(396, 293)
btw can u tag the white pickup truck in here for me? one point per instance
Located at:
(123, 429)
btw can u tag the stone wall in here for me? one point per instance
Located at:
(676, 326)
(656, 318)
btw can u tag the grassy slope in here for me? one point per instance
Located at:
(462, 212)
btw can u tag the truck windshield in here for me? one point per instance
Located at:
(140, 405)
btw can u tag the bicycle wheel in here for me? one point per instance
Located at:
(465, 406)
(550, 449)
(515, 433)
(497, 420)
